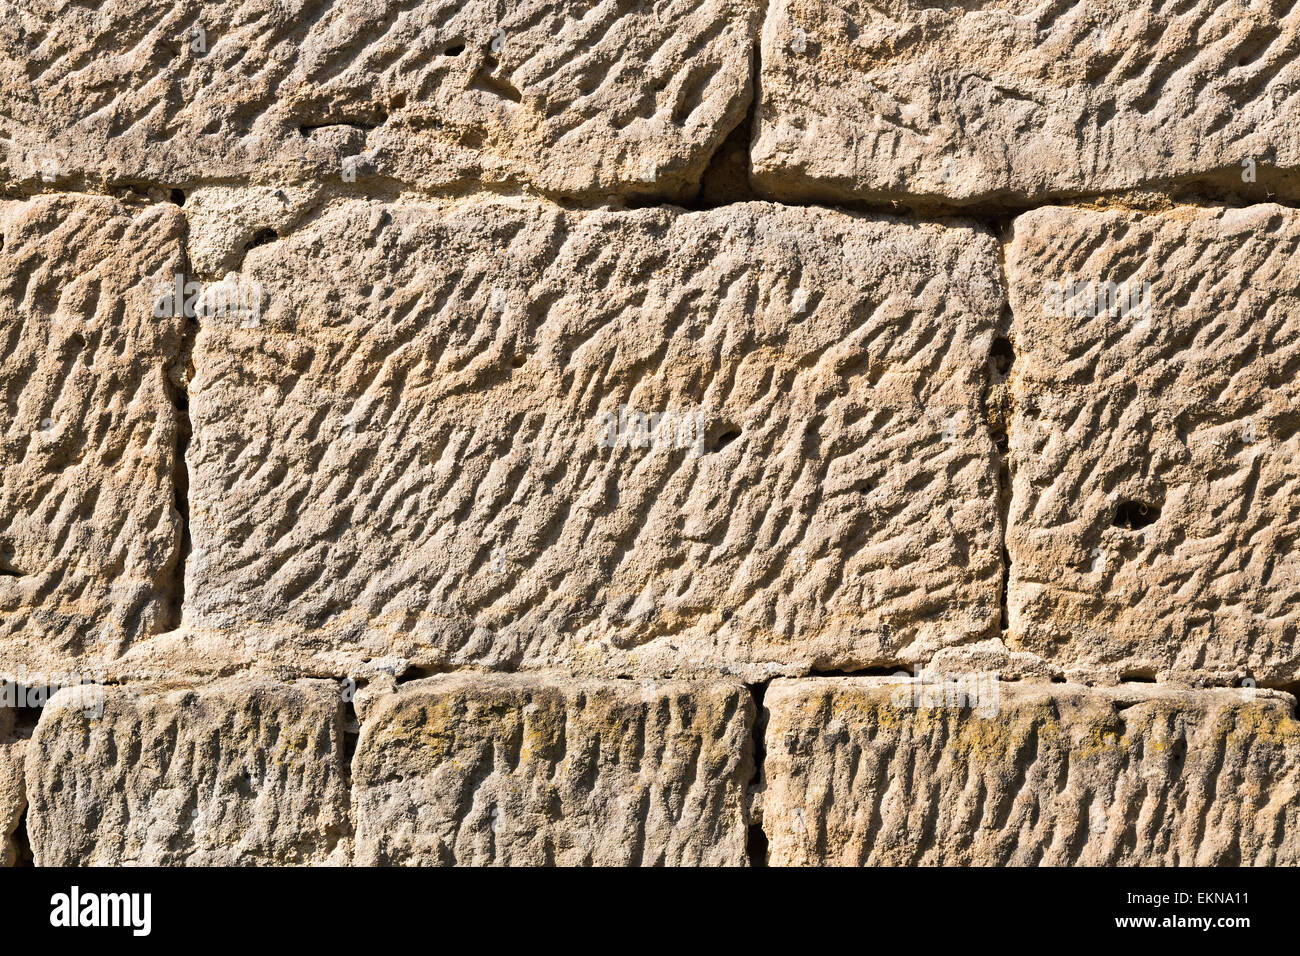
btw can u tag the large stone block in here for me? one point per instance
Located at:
(502, 434)
(539, 769)
(1051, 774)
(574, 97)
(1010, 103)
(1155, 442)
(237, 772)
(90, 535)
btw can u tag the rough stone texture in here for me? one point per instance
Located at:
(89, 531)
(543, 769)
(1188, 409)
(1060, 774)
(451, 390)
(13, 793)
(237, 772)
(574, 98)
(404, 457)
(926, 103)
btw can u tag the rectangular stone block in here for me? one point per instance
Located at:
(884, 771)
(90, 535)
(498, 433)
(540, 769)
(1155, 442)
(1013, 103)
(243, 771)
(573, 98)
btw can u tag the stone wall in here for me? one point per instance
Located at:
(693, 432)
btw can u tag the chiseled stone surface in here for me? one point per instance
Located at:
(346, 343)
(538, 769)
(90, 535)
(1050, 774)
(926, 103)
(1155, 442)
(235, 772)
(428, 446)
(574, 98)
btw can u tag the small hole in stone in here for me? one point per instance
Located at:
(456, 49)
(1002, 356)
(261, 238)
(178, 197)
(863, 487)
(1137, 677)
(518, 361)
(1134, 515)
(725, 439)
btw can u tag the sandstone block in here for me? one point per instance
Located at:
(1035, 774)
(237, 772)
(1012, 103)
(1155, 442)
(572, 98)
(90, 534)
(503, 434)
(540, 769)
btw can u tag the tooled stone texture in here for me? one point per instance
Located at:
(89, 531)
(429, 447)
(1050, 774)
(629, 97)
(235, 772)
(926, 103)
(1155, 442)
(542, 769)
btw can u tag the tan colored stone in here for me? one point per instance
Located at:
(13, 796)
(1185, 408)
(1049, 774)
(541, 769)
(572, 98)
(404, 457)
(1012, 103)
(89, 532)
(236, 772)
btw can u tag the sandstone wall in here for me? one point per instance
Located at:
(649, 432)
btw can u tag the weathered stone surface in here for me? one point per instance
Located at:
(1155, 454)
(923, 103)
(89, 532)
(236, 772)
(13, 795)
(574, 98)
(542, 769)
(1053, 774)
(406, 456)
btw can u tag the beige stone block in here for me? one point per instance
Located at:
(539, 769)
(574, 99)
(1155, 442)
(243, 771)
(881, 771)
(496, 433)
(1009, 104)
